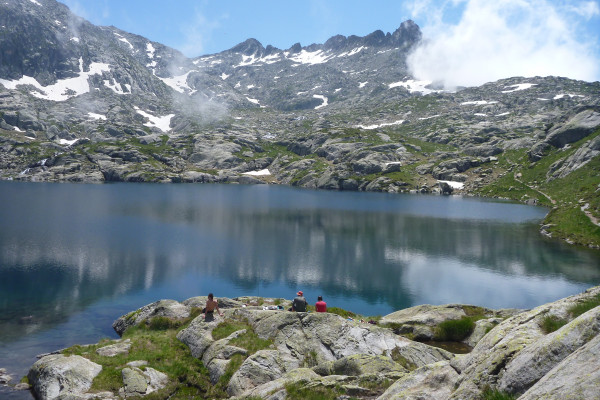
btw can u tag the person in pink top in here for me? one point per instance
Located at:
(321, 306)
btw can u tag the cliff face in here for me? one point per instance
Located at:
(253, 351)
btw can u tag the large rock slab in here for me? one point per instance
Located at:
(576, 377)
(198, 336)
(420, 321)
(494, 354)
(275, 390)
(321, 337)
(261, 367)
(161, 308)
(56, 375)
(576, 128)
(537, 359)
(433, 382)
(360, 364)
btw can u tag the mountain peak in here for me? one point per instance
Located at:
(249, 47)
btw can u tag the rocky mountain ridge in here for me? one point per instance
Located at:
(95, 104)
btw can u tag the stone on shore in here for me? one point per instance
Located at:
(121, 347)
(57, 375)
(433, 382)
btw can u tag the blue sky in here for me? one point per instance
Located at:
(535, 37)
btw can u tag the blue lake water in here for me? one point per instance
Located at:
(74, 257)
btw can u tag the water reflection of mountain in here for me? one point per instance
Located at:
(72, 245)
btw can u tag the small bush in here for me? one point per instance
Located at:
(454, 330)
(551, 323)
(584, 306)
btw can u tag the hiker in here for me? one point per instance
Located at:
(211, 305)
(299, 303)
(320, 305)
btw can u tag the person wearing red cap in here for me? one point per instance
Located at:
(299, 303)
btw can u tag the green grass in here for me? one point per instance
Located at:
(341, 312)
(297, 391)
(584, 306)
(156, 343)
(551, 323)
(494, 394)
(454, 330)
(400, 359)
(163, 351)
(566, 219)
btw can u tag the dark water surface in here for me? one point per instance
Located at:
(75, 257)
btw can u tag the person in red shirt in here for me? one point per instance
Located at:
(321, 306)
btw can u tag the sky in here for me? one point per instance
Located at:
(469, 42)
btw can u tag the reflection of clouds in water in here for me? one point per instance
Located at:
(444, 280)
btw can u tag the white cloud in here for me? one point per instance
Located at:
(499, 39)
(196, 33)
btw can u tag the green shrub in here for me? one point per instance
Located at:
(454, 330)
(551, 323)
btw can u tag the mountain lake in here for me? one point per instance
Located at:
(74, 257)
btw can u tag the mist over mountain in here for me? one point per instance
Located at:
(87, 103)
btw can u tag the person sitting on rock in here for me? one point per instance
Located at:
(211, 306)
(320, 305)
(299, 303)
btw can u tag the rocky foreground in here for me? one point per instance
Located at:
(550, 352)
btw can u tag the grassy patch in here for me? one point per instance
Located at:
(584, 306)
(551, 323)
(341, 312)
(298, 391)
(494, 394)
(164, 352)
(400, 359)
(226, 328)
(454, 330)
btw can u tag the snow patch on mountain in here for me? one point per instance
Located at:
(517, 87)
(477, 103)
(310, 57)
(560, 96)
(63, 89)
(179, 83)
(163, 123)
(35, 2)
(325, 101)
(414, 86)
(262, 172)
(97, 116)
(375, 126)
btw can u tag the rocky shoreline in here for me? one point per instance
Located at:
(256, 350)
